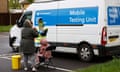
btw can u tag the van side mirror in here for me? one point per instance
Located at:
(16, 21)
(19, 24)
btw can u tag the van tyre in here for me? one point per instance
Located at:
(85, 52)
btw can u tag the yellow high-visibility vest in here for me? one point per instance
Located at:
(37, 40)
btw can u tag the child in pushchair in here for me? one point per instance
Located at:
(44, 53)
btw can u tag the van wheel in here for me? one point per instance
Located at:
(85, 53)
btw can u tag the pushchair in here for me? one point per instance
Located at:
(46, 61)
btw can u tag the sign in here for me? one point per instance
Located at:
(113, 15)
(67, 16)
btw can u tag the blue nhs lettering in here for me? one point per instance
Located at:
(113, 15)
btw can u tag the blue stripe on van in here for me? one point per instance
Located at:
(113, 15)
(82, 15)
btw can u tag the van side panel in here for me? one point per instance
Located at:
(74, 24)
(48, 13)
(84, 14)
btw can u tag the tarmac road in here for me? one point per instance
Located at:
(62, 62)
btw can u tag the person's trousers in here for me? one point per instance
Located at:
(29, 57)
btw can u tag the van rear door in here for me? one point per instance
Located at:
(113, 22)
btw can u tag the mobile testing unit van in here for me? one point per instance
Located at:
(84, 27)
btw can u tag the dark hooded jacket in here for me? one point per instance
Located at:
(27, 40)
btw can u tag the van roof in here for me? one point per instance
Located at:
(53, 4)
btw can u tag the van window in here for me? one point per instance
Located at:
(26, 15)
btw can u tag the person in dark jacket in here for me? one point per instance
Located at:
(27, 44)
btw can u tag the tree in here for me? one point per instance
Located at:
(30, 1)
(14, 4)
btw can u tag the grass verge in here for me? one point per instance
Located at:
(5, 28)
(111, 66)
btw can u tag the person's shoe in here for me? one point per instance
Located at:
(25, 68)
(34, 69)
(42, 63)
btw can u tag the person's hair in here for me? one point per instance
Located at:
(40, 19)
(43, 41)
(29, 22)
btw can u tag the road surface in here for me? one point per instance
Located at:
(62, 62)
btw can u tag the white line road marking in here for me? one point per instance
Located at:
(58, 68)
(8, 57)
(10, 54)
(4, 36)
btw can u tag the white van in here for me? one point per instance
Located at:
(84, 27)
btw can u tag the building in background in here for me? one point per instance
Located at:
(10, 10)
(4, 6)
(24, 4)
(4, 12)
(8, 16)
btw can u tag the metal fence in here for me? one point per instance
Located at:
(9, 18)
